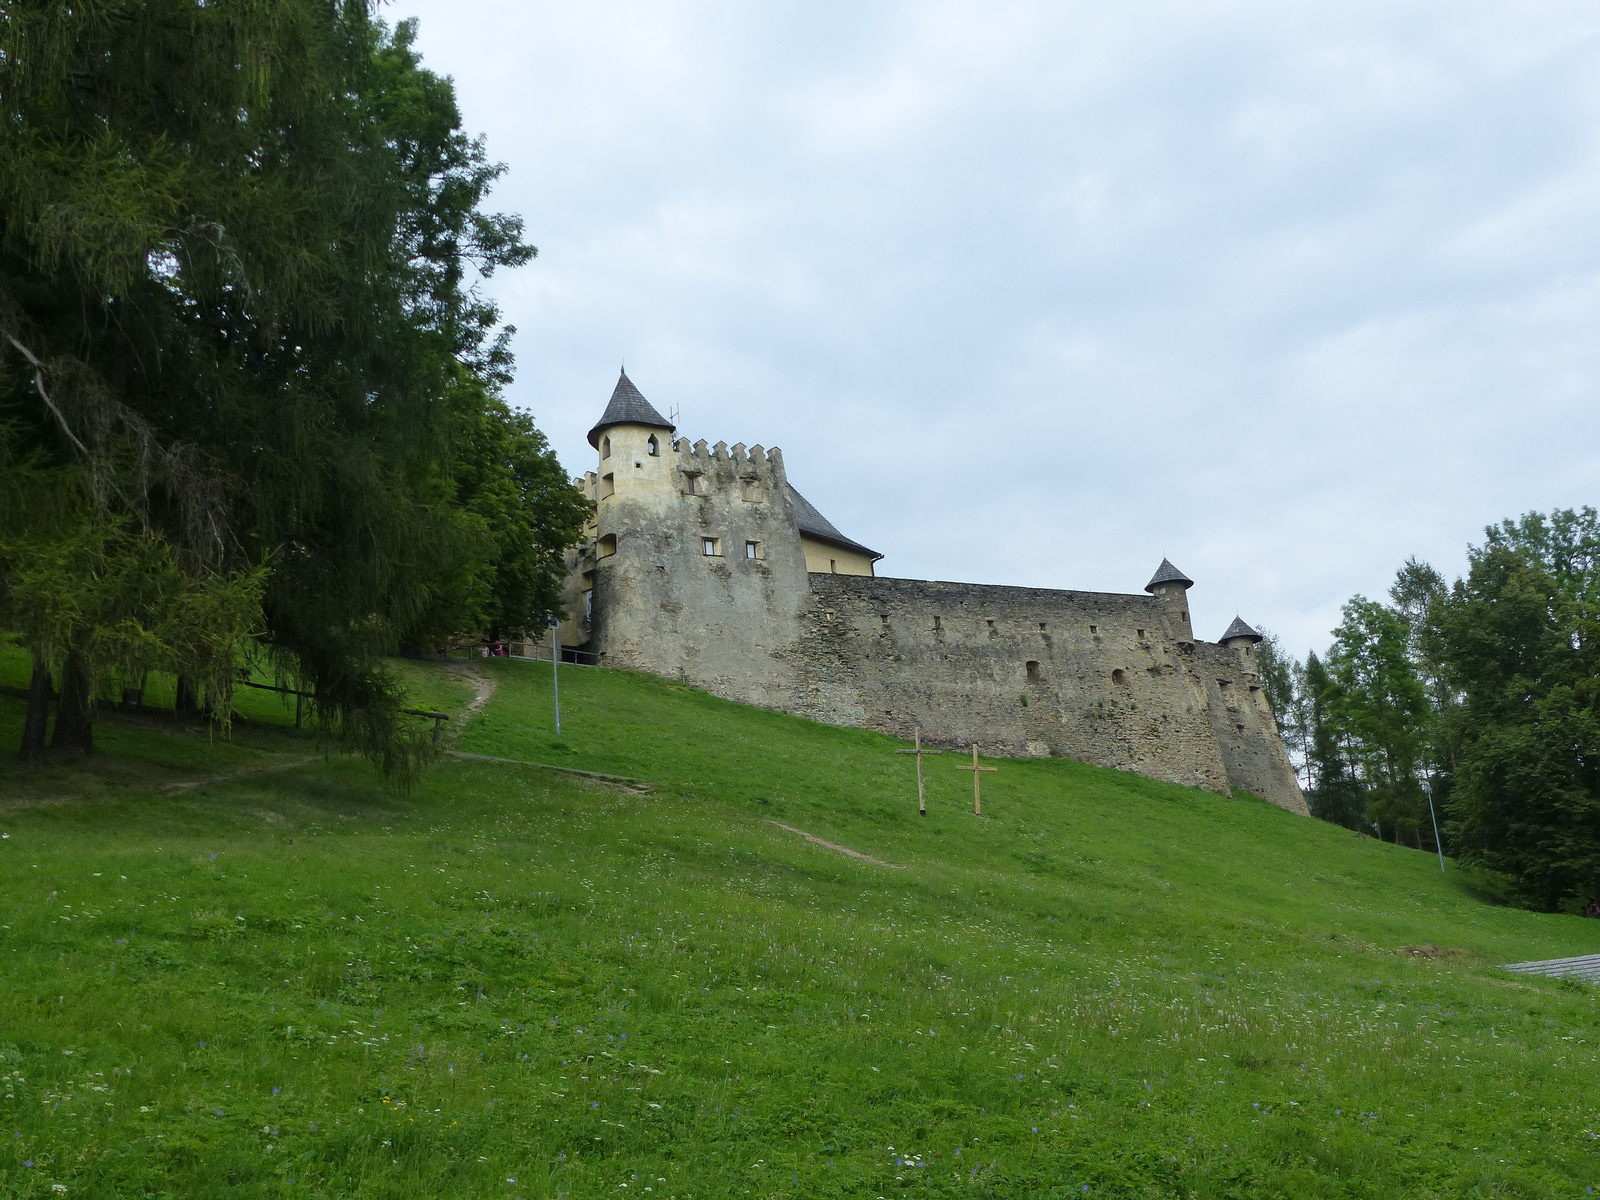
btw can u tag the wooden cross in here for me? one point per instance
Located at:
(922, 799)
(977, 781)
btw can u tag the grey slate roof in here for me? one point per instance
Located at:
(628, 407)
(1240, 630)
(814, 525)
(1167, 573)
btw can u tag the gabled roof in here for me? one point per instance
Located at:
(814, 525)
(1167, 573)
(1240, 630)
(628, 407)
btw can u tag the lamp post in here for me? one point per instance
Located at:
(555, 669)
(1437, 844)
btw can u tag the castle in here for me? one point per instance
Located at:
(704, 564)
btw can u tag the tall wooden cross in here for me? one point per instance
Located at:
(977, 781)
(922, 799)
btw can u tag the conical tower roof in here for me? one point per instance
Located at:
(1240, 630)
(1167, 573)
(628, 407)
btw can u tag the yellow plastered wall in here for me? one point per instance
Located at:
(827, 559)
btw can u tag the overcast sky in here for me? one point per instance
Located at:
(1037, 293)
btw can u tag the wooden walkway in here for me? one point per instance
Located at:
(1585, 967)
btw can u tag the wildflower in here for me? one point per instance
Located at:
(274, 1091)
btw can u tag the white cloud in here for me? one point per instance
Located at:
(1040, 292)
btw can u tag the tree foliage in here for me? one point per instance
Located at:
(1521, 640)
(1483, 696)
(238, 253)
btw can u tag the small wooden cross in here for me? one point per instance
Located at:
(977, 781)
(922, 799)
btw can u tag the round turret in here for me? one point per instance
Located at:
(1240, 636)
(1167, 574)
(1170, 586)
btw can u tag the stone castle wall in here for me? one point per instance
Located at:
(1019, 671)
(1114, 680)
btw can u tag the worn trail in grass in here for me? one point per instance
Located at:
(510, 982)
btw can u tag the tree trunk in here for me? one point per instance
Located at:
(74, 710)
(38, 718)
(187, 702)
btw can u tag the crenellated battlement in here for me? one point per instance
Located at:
(718, 467)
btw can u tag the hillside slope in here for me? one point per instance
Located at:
(518, 982)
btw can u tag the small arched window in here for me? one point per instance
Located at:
(652, 447)
(1119, 676)
(1033, 671)
(605, 447)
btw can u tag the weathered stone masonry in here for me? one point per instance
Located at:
(696, 569)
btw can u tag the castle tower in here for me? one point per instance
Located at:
(635, 443)
(1242, 638)
(697, 569)
(1171, 587)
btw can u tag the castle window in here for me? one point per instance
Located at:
(1033, 671)
(608, 545)
(652, 447)
(1141, 635)
(712, 546)
(1119, 676)
(833, 566)
(752, 549)
(605, 447)
(608, 486)
(1094, 629)
(690, 478)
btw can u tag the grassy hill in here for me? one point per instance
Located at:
(510, 981)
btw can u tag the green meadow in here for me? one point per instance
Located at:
(246, 967)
